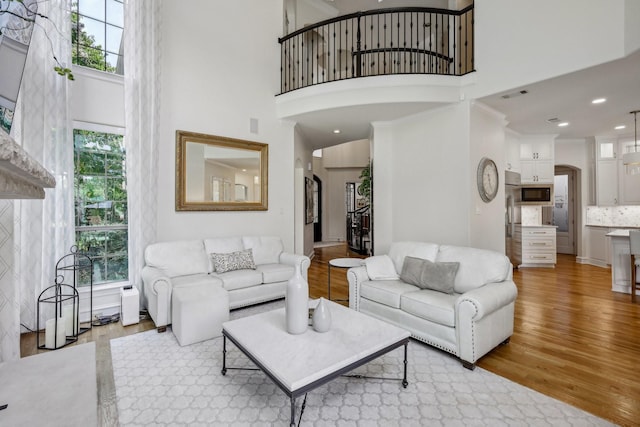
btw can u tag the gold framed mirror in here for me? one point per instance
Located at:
(215, 173)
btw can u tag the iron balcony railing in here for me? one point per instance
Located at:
(412, 40)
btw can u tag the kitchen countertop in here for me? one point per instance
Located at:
(619, 233)
(613, 216)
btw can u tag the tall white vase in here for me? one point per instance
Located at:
(296, 304)
(322, 317)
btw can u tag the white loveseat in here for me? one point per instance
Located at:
(468, 322)
(188, 263)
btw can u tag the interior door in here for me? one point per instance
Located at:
(317, 209)
(564, 210)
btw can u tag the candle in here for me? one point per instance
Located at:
(70, 320)
(54, 333)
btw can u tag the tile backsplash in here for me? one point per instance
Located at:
(531, 215)
(613, 216)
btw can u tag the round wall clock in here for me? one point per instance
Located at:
(487, 179)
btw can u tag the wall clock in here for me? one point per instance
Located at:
(487, 179)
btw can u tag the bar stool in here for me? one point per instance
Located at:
(634, 244)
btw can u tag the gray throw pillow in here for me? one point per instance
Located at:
(437, 276)
(411, 270)
(232, 261)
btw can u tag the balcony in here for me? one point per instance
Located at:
(377, 43)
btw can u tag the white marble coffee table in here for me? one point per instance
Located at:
(300, 363)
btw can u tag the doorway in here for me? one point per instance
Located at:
(564, 186)
(317, 209)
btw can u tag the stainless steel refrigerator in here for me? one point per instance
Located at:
(511, 211)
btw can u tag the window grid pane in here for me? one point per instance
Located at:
(101, 203)
(97, 34)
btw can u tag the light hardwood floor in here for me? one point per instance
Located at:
(574, 339)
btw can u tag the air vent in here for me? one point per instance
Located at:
(514, 94)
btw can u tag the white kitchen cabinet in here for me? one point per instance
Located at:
(607, 172)
(628, 185)
(597, 246)
(537, 159)
(538, 246)
(613, 185)
(607, 182)
(536, 149)
(537, 171)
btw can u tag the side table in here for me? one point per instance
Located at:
(340, 263)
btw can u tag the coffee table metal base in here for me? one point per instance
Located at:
(294, 394)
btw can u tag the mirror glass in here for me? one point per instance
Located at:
(217, 173)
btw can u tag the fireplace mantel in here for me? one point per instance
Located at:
(21, 176)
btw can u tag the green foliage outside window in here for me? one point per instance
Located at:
(96, 34)
(101, 203)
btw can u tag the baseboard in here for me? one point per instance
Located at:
(591, 261)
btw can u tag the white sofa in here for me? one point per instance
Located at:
(188, 263)
(468, 322)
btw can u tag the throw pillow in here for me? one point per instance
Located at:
(239, 260)
(380, 267)
(437, 276)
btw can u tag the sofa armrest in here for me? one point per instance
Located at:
(356, 276)
(484, 319)
(483, 301)
(301, 262)
(157, 288)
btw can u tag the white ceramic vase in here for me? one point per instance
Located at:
(297, 304)
(322, 317)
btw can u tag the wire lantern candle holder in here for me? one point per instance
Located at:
(62, 301)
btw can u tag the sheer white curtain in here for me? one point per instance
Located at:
(43, 229)
(142, 81)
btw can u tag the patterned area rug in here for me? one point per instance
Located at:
(160, 383)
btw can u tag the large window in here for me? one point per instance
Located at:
(101, 203)
(96, 34)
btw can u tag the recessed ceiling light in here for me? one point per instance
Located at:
(619, 127)
(336, 131)
(599, 100)
(563, 124)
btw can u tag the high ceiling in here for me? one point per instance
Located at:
(564, 98)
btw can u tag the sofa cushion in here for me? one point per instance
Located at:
(477, 266)
(239, 260)
(273, 273)
(195, 280)
(430, 305)
(399, 250)
(239, 279)
(221, 246)
(387, 292)
(177, 258)
(380, 267)
(266, 250)
(437, 276)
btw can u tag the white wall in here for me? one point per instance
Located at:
(631, 27)
(218, 72)
(487, 139)
(304, 169)
(97, 97)
(548, 38)
(421, 178)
